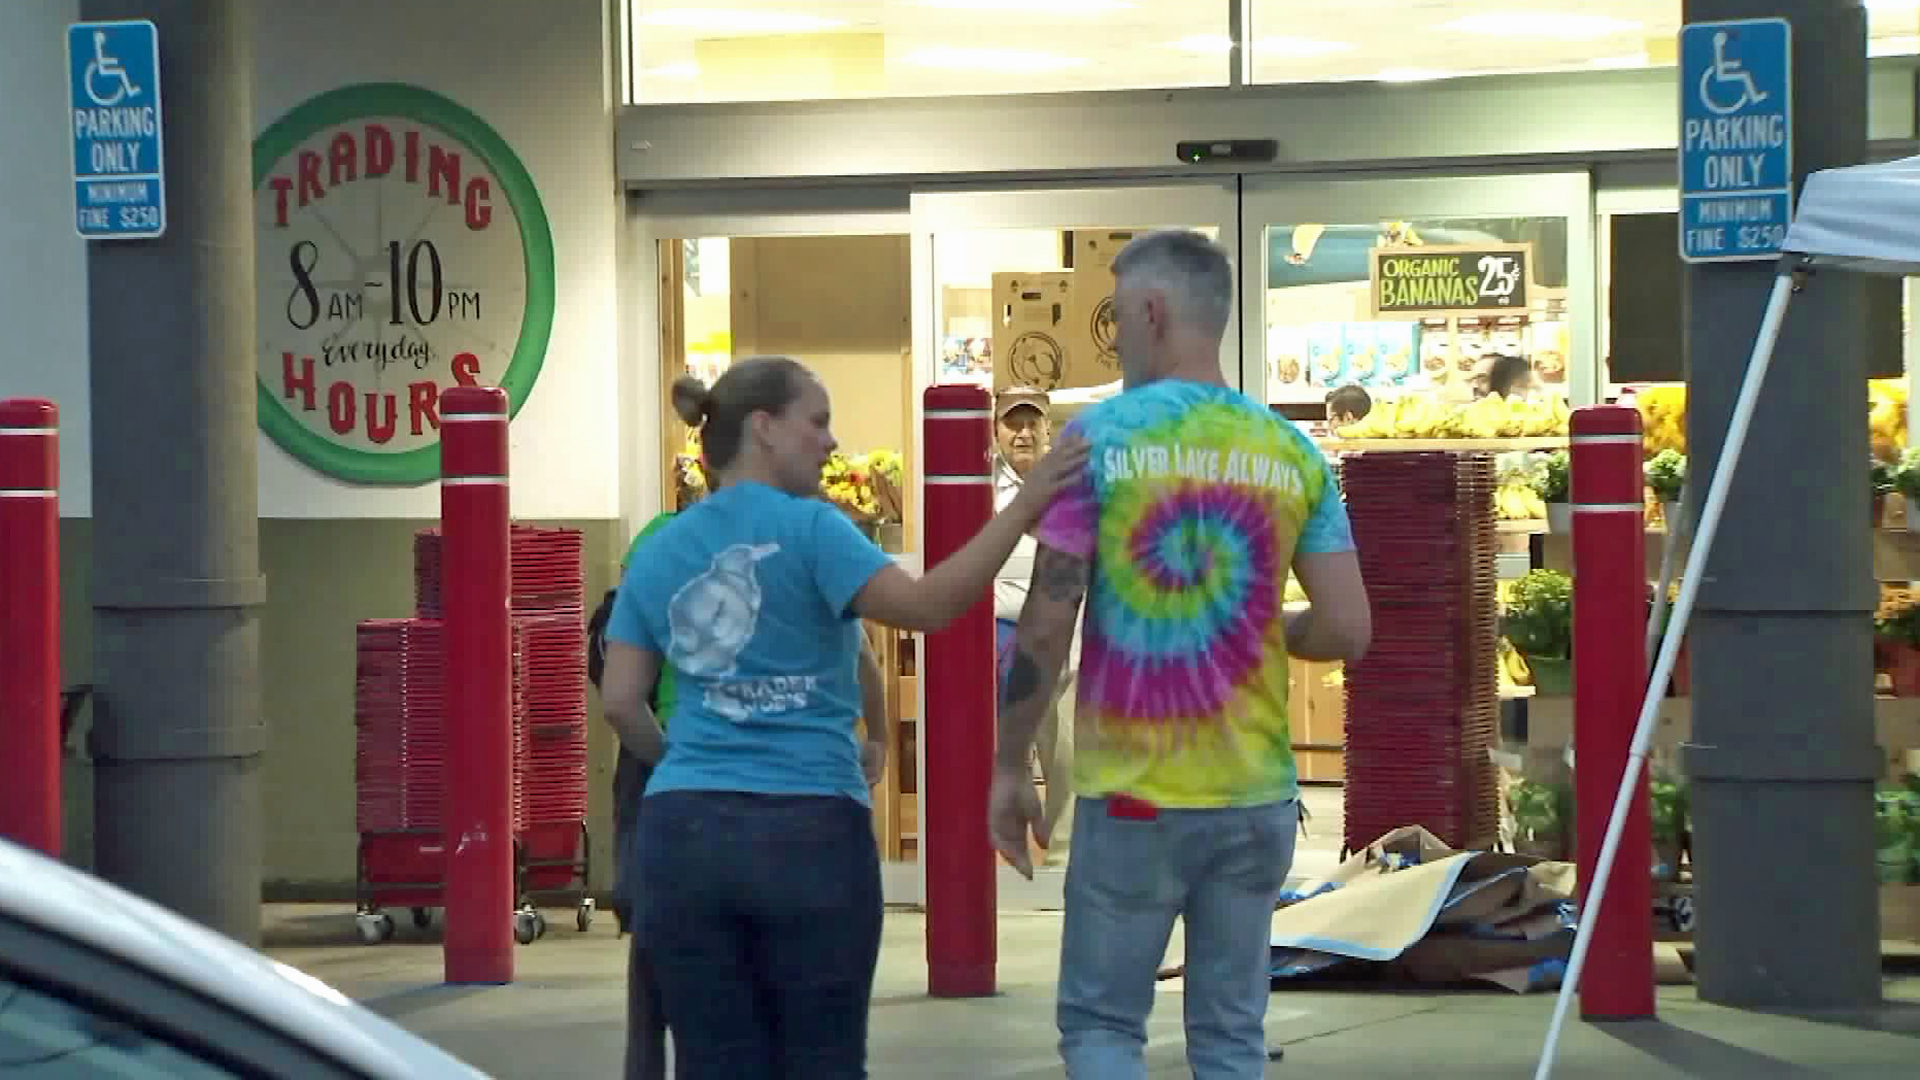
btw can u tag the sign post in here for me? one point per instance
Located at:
(1736, 139)
(119, 154)
(962, 926)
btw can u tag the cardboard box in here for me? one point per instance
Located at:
(1032, 330)
(1096, 338)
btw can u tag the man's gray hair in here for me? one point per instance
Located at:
(1187, 264)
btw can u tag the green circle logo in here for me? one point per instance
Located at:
(402, 249)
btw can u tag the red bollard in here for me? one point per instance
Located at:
(30, 624)
(1609, 679)
(959, 674)
(476, 575)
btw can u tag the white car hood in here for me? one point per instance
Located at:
(50, 894)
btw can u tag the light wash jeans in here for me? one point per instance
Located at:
(1221, 871)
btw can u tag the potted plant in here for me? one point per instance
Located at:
(1667, 475)
(1906, 480)
(1539, 623)
(1542, 819)
(1896, 628)
(1670, 810)
(1552, 484)
(1881, 475)
(1896, 821)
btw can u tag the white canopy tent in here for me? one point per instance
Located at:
(1862, 218)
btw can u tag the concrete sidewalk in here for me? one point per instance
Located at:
(564, 1016)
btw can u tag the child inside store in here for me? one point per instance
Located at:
(758, 811)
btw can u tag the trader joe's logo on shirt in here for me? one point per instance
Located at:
(401, 250)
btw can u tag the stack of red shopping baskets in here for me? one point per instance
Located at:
(400, 754)
(403, 733)
(547, 596)
(1423, 705)
(548, 599)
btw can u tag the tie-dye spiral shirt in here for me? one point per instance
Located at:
(1195, 502)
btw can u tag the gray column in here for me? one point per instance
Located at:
(176, 578)
(1783, 761)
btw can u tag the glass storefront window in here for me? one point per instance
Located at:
(1414, 307)
(783, 50)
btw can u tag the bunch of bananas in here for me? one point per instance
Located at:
(1517, 501)
(1513, 667)
(1887, 417)
(1663, 417)
(1420, 416)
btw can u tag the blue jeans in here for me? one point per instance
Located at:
(1221, 871)
(766, 942)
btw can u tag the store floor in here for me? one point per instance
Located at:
(563, 1016)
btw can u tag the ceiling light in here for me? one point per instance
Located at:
(1283, 47)
(1018, 61)
(684, 70)
(1410, 75)
(1898, 45)
(1893, 5)
(1531, 24)
(1630, 60)
(1033, 7)
(724, 21)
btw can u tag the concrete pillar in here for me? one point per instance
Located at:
(1783, 761)
(176, 578)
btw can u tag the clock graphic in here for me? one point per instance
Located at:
(401, 250)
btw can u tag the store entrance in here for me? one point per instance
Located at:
(1014, 288)
(1006, 286)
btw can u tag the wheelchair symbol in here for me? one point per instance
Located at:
(104, 70)
(1722, 72)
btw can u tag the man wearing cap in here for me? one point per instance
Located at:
(1022, 429)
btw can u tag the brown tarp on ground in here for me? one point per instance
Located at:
(1409, 909)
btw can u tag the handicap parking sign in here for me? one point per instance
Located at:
(1736, 139)
(119, 160)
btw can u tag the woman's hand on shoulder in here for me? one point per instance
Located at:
(1061, 468)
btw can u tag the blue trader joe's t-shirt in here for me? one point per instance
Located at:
(747, 596)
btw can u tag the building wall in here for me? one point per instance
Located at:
(336, 552)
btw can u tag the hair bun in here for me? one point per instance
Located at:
(691, 400)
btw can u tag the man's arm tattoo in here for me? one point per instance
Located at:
(1023, 680)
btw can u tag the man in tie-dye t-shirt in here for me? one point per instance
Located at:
(1196, 504)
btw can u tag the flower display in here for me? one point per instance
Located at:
(866, 486)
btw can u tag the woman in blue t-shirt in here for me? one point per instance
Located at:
(758, 812)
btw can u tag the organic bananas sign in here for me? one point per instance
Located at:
(1453, 280)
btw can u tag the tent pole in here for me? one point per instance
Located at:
(1784, 286)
